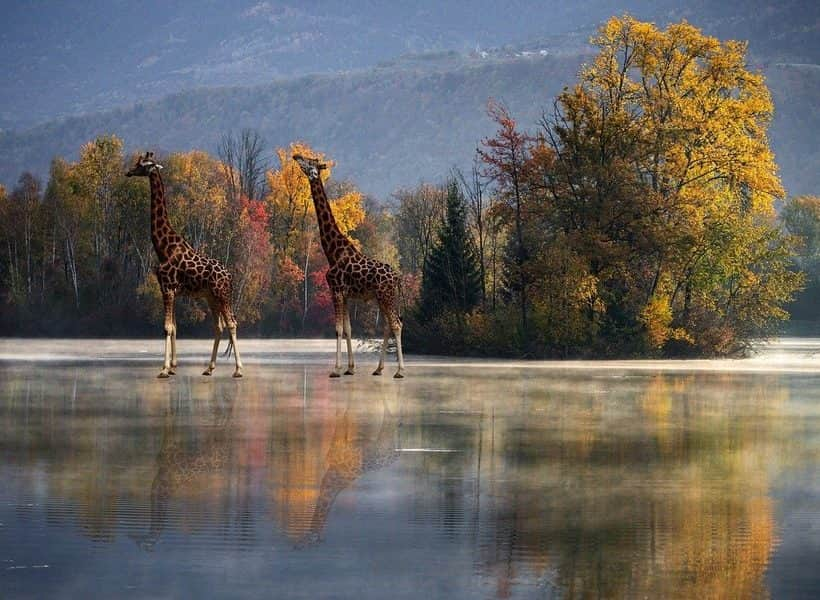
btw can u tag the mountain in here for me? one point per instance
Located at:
(65, 58)
(133, 69)
(386, 127)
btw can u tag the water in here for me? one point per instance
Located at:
(467, 479)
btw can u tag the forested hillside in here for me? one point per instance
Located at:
(392, 125)
(63, 59)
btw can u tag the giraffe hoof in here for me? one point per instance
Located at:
(377, 372)
(163, 375)
(349, 372)
(237, 374)
(398, 375)
(172, 372)
(334, 374)
(207, 372)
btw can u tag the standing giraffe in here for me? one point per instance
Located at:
(352, 275)
(183, 272)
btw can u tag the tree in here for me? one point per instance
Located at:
(452, 278)
(480, 205)
(656, 170)
(292, 217)
(419, 213)
(505, 156)
(244, 165)
(800, 217)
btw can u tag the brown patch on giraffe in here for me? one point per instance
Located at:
(352, 275)
(183, 272)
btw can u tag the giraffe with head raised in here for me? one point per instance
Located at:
(352, 275)
(184, 272)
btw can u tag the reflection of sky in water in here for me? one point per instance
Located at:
(464, 480)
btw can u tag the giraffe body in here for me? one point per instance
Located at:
(352, 276)
(182, 271)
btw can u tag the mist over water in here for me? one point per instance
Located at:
(466, 479)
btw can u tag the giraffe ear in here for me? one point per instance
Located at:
(322, 166)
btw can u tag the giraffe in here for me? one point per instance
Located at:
(184, 272)
(352, 275)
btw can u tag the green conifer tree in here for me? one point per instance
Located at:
(451, 276)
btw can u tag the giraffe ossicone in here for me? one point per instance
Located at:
(184, 272)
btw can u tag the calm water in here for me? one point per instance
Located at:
(465, 480)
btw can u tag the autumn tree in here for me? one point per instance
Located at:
(293, 226)
(655, 170)
(504, 156)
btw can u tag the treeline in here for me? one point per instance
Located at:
(638, 219)
(77, 257)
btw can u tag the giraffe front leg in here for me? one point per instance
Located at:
(173, 369)
(168, 301)
(383, 351)
(338, 309)
(347, 329)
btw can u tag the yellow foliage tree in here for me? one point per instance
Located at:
(658, 171)
(291, 205)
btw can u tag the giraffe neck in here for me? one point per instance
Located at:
(334, 243)
(163, 235)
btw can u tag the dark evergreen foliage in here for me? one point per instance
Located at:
(452, 277)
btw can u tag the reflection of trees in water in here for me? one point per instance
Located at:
(663, 497)
(314, 460)
(650, 486)
(195, 461)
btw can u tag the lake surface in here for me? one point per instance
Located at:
(467, 479)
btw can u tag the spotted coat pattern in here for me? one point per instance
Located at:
(352, 275)
(182, 271)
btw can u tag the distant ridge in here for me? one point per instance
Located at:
(389, 126)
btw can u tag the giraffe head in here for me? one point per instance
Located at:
(310, 166)
(145, 164)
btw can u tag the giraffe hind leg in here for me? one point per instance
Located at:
(219, 325)
(383, 351)
(338, 309)
(168, 301)
(351, 367)
(396, 326)
(230, 320)
(173, 369)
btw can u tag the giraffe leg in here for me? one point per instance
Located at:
(395, 325)
(217, 337)
(173, 369)
(347, 329)
(168, 300)
(338, 309)
(383, 352)
(227, 314)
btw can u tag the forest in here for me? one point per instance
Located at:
(643, 216)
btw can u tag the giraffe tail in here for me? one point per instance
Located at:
(222, 325)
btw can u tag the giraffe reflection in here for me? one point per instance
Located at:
(357, 448)
(186, 465)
